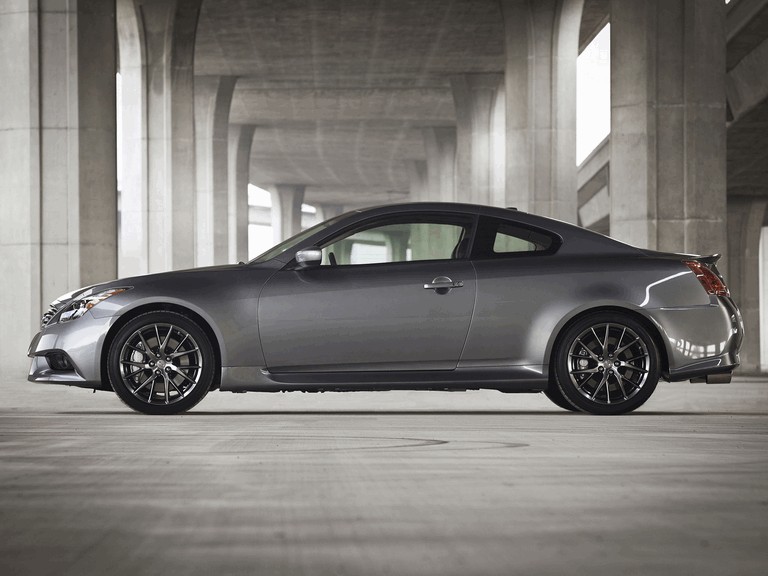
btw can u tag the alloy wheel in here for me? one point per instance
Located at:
(608, 363)
(160, 364)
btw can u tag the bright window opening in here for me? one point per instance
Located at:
(593, 94)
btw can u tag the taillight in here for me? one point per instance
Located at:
(711, 282)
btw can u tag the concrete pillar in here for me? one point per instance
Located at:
(328, 211)
(746, 216)
(440, 148)
(474, 96)
(169, 28)
(286, 210)
(57, 148)
(133, 243)
(498, 148)
(418, 181)
(213, 96)
(239, 161)
(541, 40)
(667, 177)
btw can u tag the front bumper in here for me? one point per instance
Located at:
(81, 342)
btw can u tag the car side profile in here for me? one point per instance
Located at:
(426, 296)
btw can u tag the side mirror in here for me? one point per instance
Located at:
(309, 257)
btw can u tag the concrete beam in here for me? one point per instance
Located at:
(747, 83)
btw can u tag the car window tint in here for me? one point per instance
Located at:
(397, 242)
(510, 239)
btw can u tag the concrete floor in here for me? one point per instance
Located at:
(384, 483)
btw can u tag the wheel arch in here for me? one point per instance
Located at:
(653, 329)
(162, 307)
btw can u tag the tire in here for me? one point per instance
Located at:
(556, 396)
(167, 383)
(606, 363)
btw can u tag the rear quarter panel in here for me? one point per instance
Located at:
(523, 302)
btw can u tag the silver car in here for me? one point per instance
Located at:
(427, 296)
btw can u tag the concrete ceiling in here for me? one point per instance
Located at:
(339, 88)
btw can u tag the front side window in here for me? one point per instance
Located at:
(400, 240)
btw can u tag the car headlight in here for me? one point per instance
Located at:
(85, 302)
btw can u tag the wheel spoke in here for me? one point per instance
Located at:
(584, 371)
(581, 385)
(605, 342)
(167, 399)
(132, 363)
(598, 339)
(183, 353)
(618, 344)
(587, 350)
(132, 374)
(180, 343)
(136, 349)
(621, 387)
(634, 384)
(175, 387)
(157, 335)
(167, 338)
(151, 390)
(599, 386)
(187, 377)
(144, 343)
(620, 350)
(635, 368)
(150, 377)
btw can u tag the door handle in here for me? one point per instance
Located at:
(442, 284)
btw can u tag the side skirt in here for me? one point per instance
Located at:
(502, 378)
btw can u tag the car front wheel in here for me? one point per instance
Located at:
(607, 363)
(161, 363)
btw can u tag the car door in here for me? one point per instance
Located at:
(517, 283)
(390, 294)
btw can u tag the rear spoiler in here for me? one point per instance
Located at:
(712, 259)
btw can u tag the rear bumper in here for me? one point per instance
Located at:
(701, 341)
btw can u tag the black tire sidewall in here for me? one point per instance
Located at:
(562, 375)
(161, 317)
(556, 396)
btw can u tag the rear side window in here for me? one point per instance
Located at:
(499, 238)
(509, 239)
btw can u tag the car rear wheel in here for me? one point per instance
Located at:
(161, 363)
(607, 363)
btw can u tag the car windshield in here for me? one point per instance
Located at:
(293, 241)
